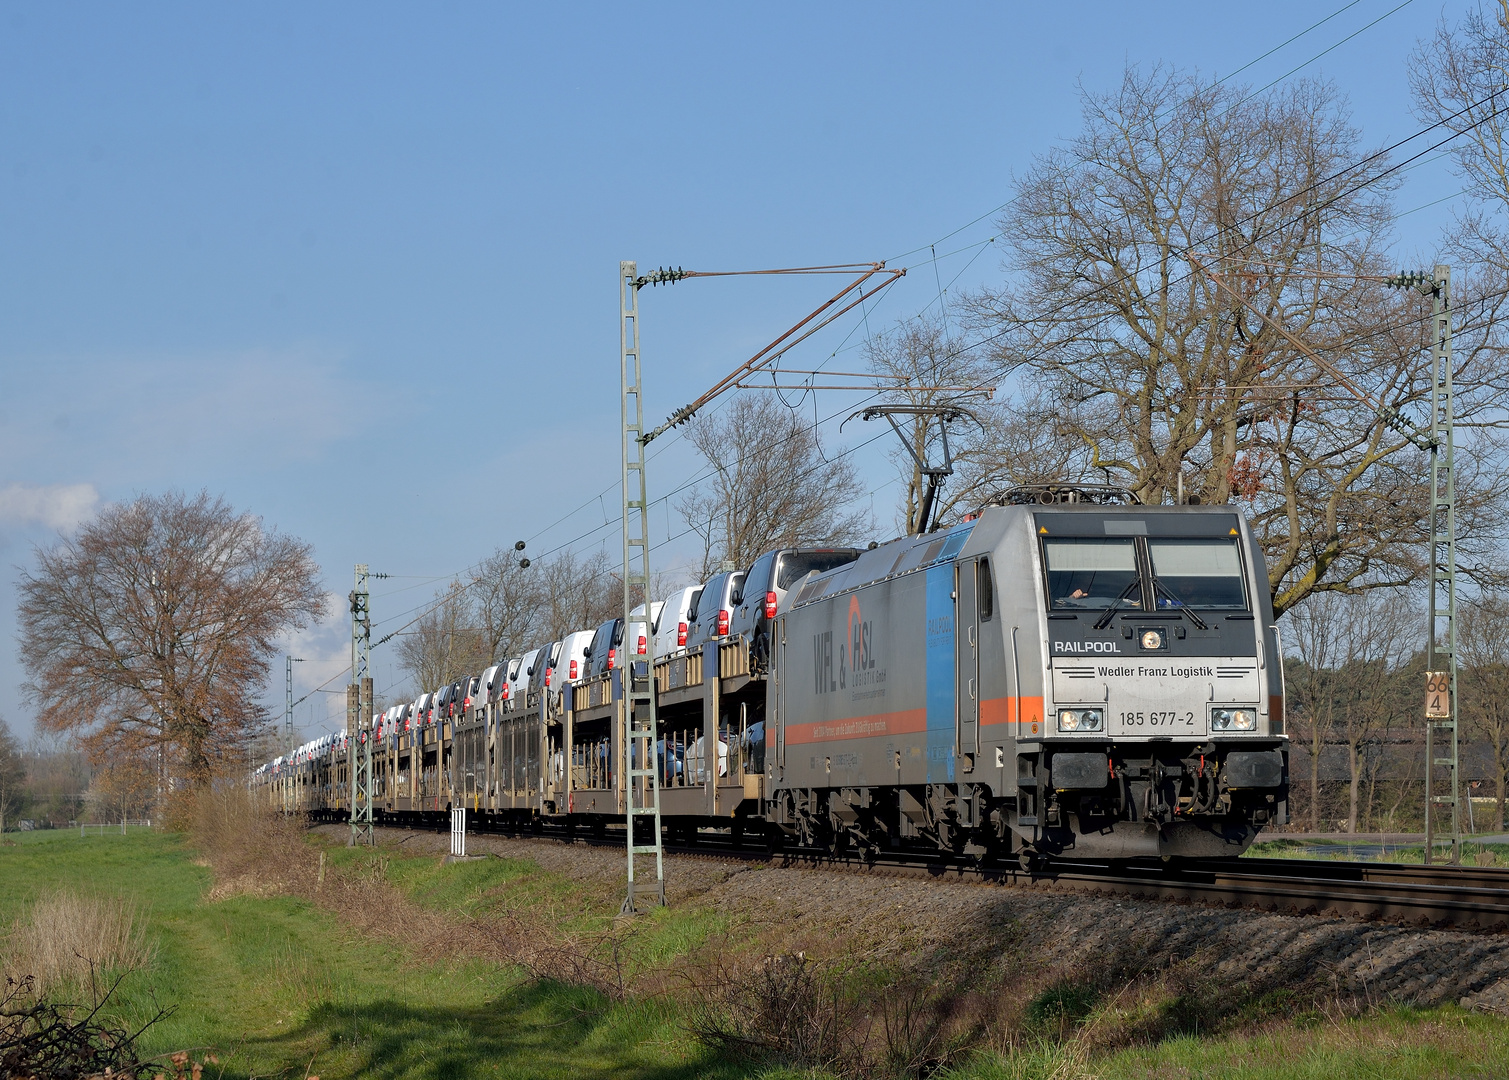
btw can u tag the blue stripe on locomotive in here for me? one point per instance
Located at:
(940, 674)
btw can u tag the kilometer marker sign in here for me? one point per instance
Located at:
(1437, 695)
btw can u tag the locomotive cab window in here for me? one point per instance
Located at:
(985, 597)
(1205, 573)
(1091, 574)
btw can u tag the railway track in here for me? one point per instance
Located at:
(1464, 897)
(1441, 896)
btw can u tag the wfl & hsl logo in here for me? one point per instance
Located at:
(856, 659)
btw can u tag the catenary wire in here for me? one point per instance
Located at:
(1351, 168)
(932, 246)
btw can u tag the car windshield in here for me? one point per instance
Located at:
(1198, 573)
(1091, 574)
(799, 563)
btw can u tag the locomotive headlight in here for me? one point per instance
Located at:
(1081, 719)
(1233, 720)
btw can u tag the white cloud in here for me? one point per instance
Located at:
(57, 506)
(325, 652)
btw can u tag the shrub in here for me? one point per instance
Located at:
(827, 1015)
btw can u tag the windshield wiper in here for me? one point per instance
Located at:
(1158, 587)
(1105, 620)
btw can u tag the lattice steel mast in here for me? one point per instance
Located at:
(642, 775)
(288, 734)
(1441, 716)
(359, 711)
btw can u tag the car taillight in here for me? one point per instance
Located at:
(467, 704)
(722, 621)
(547, 677)
(641, 644)
(572, 673)
(612, 658)
(503, 696)
(770, 605)
(681, 633)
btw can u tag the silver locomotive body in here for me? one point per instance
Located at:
(1076, 681)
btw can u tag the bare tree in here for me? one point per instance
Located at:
(152, 628)
(1310, 707)
(1375, 633)
(1170, 381)
(771, 485)
(504, 611)
(57, 777)
(1457, 79)
(506, 602)
(578, 593)
(1483, 651)
(443, 645)
(122, 787)
(1350, 688)
(12, 775)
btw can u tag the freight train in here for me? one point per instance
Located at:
(1059, 676)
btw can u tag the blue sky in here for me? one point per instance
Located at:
(353, 266)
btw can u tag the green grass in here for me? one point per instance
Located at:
(495, 886)
(277, 987)
(1280, 848)
(1404, 1043)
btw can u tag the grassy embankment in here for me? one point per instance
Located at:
(279, 985)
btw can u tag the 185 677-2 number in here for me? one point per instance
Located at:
(1158, 719)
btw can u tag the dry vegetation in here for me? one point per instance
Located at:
(854, 1018)
(65, 939)
(64, 957)
(257, 853)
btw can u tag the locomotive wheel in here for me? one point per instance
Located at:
(1031, 862)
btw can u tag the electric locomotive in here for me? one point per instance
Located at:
(1069, 680)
